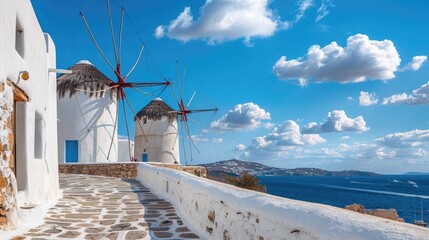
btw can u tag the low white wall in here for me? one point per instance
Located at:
(221, 211)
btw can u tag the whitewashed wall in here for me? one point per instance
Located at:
(160, 139)
(220, 211)
(37, 165)
(79, 113)
(125, 148)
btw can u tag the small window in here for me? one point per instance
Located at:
(144, 120)
(19, 39)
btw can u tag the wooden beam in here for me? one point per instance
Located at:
(18, 94)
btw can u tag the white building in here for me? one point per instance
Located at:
(158, 142)
(125, 149)
(87, 113)
(28, 123)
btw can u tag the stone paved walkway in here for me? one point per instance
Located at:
(95, 207)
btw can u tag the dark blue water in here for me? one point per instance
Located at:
(406, 194)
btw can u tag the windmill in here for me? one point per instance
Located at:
(122, 83)
(183, 112)
(122, 80)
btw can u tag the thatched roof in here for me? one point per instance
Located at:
(84, 76)
(156, 109)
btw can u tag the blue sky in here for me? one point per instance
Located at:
(313, 83)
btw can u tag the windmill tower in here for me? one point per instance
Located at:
(156, 133)
(87, 113)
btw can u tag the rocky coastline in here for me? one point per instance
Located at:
(383, 213)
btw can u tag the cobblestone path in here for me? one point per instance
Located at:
(95, 207)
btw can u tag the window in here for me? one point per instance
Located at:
(144, 120)
(19, 38)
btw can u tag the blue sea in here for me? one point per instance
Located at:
(405, 193)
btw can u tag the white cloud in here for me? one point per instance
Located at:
(392, 152)
(269, 125)
(225, 20)
(217, 140)
(360, 60)
(350, 98)
(337, 121)
(417, 97)
(367, 99)
(416, 63)
(241, 117)
(199, 138)
(410, 139)
(159, 32)
(240, 147)
(323, 11)
(303, 6)
(345, 137)
(283, 136)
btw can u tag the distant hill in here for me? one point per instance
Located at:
(416, 173)
(235, 167)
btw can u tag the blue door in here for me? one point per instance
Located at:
(72, 151)
(144, 157)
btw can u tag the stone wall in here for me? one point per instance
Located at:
(123, 170)
(119, 170)
(8, 185)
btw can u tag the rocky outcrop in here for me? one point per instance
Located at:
(356, 208)
(383, 213)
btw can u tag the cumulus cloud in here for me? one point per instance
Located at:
(367, 99)
(337, 121)
(411, 139)
(240, 147)
(416, 63)
(241, 117)
(285, 140)
(417, 97)
(284, 135)
(361, 59)
(397, 149)
(323, 10)
(224, 20)
(159, 32)
(398, 146)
